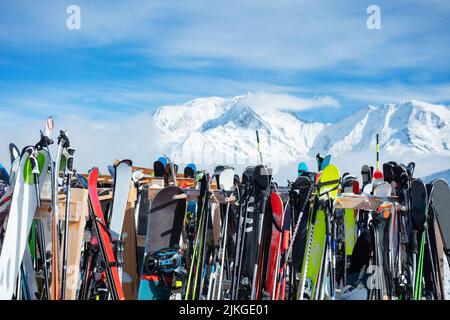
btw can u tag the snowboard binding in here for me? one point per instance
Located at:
(163, 261)
(119, 248)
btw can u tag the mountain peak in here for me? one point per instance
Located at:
(240, 116)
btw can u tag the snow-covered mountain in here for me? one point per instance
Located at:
(223, 130)
(411, 126)
(219, 130)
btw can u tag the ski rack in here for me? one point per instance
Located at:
(364, 201)
(78, 215)
(79, 212)
(106, 181)
(217, 196)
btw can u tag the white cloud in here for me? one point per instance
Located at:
(392, 92)
(282, 35)
(98, 142)
(265, 101)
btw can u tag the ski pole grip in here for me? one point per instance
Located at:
(70, 164)
(68, 153)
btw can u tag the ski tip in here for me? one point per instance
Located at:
(163, 160)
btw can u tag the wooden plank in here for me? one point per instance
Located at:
(130, 268)
(354, 201)
(102, 179)
(182, 182)
(75, 208)
(364, 202)
(144, 170)
(105, 197)
(140, 241)
(43, 212)
(78, 203)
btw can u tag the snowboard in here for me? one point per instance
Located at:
(419, 212)
(164, 228)
(189, 170)
(325, 162)
(440, 204)
(328, 182)
(122, 179)
(159, 166)
(350, 185)
(302, 167)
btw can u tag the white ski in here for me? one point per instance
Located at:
(23, 206)
(122, 180)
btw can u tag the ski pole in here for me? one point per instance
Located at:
(329, 254)
(202, 239)
(55, 218)
(69, 171)
(212, 278)
(378, 154)
(419, 274)
(199, 288)
(194, 255)
(308, 253)
(238, 244)
(224, 245)
(243, 213)
(261, 205)
(257, 145)
(42, 253)
(296, 228)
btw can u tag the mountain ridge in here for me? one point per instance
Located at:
(227, 126)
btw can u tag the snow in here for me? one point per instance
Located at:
(216, 129)
(406, 127)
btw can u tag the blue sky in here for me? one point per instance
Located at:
(132, 56)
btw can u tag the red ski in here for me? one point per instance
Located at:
(275, 243)
(104, 241)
